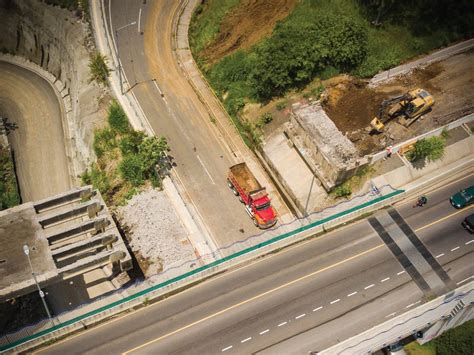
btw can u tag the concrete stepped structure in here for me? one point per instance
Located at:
(67, 235)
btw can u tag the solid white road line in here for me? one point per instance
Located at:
(228, 348)
(247, 339)
(440, 255)
(370, 286)
(282, 324)
(352, 294)
(317, 309)
(462, 281)
(455, 249)
(300, 316)
(265, 331)
(335, 301)
(205, 169)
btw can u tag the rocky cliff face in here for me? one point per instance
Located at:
(59, 42)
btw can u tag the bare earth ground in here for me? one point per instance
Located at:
(245, 25)
(351, 104)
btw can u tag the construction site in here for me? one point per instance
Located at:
(352, 124)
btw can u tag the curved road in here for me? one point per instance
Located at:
(38, 144)
(151, 70)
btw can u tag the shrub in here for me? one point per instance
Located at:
(99, 71)
(342, 191)
(118, 121)
(152, 152)
(427, 148)
(130, 143)
(131, 170)
(104, 141)
(281, 105)
(96, 178)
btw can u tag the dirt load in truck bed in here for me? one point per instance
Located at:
(244, 177)
(351, 104)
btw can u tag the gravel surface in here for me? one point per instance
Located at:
(156, 235)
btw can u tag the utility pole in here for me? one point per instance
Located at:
(118, 53)
(26, 250)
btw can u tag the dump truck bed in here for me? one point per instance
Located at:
(244, 177)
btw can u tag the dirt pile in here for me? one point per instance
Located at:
(351, 104)
(245, 25)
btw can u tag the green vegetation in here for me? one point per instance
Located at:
(343, 190)
(99, 71)
(427, 148)
(322, 39)
(126, 159)
(205, 28)
(9, 196)
(459, 340)
(118, 121)
(80, 6)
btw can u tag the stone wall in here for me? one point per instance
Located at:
(59, 42)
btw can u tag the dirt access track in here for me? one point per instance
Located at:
(352, 105)
(246, 24)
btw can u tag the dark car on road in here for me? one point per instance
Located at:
(463, 198)
(468, 223)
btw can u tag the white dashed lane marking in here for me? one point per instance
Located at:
(352, 294)
(385, 279)
(335, 301)
(282, 324)
(228, 348)
(440, 255)
(246, 339)
(370, 286)
(264, 331)
(317, 309)
(300, 316)
(390, 315)
(401, 272)
(469, 242)
(455, 249)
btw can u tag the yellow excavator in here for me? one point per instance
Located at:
(410, 106)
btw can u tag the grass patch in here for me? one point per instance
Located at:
(9, 196)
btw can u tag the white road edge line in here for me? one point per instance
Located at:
(352, 294)
(335, 301)
(228, 348)
(469, 242)
(265, 331)
(139, 19)
(401, 272)
(247, 339)
(282, 324)
(317, 309)
(370, 286)
(205, 169)
(300, 316)
(455, 249)
(440, 255)
(385, 279)
(466, 279)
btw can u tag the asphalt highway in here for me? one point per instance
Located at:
(301, 299)
(174, 111)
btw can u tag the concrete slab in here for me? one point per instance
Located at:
(302, 185)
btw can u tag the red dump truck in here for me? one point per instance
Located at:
(257, 203)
